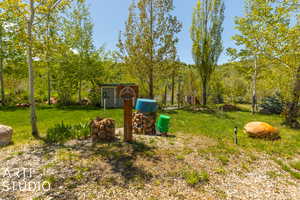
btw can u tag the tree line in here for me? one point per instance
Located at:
(47, 49)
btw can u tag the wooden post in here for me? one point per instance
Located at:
(127, 94)
(128, 120)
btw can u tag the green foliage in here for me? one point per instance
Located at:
(95, 96)
(272, 104)
(206, 32)
(276, 41)
(193, 177)
(61, 133)
(149, 43)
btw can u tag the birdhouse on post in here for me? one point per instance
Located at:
(128, 94)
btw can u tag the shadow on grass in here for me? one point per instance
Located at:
(169, 112)
(11, 108)
(209, 111)
(77, 107)
(47, 107)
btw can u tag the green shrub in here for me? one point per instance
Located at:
(271, 105)
(80, 131)
(61, 133)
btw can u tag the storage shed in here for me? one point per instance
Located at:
(110, 94)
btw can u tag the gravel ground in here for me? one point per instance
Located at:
(152, 168)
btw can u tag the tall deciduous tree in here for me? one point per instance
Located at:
(206, 32)
(32, 13)
(149, 40)
(1, 64)
(79, 35)
(269, 29)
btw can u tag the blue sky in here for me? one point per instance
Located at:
(109, 17)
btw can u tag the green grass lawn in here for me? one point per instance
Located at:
(221, 127)
(218, 125)
(48, 116)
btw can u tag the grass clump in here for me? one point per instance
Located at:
(51, 179)
(193, 177)
(223, 159)
(62, 132)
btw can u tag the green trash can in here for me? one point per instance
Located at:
(163, 123)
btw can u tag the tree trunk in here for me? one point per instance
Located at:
(173, 87)
(204, 92)
(151, 92)
(47, 58)
(33, 117)
(292, 108)
(49, 85)
(165, 95)
(79, 91)
(178, 95)
(254, 98)
(1, 70)
(151, 87)
(2, 83)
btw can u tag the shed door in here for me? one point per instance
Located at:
(109, 95)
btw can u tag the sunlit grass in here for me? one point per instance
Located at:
(218, 126)
(48, 117)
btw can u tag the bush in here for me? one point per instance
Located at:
(61, 133)
(80, 131)
(271, 105)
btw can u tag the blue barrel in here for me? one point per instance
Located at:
(146, 105)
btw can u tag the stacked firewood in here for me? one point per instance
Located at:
(23, 105)
(102, 129)
(144, 123)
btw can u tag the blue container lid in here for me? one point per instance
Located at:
(146, 105)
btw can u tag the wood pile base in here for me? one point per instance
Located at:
(144, 123)
(102, 129)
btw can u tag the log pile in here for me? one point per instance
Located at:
(23, 105)
(102, 129)
(144, 123)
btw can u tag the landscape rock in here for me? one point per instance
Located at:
(261, 130)
(5, 135)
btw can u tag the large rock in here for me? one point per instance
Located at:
(261, 130)
(5, 135)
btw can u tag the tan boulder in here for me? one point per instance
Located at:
(5, 135)
(261, 130)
